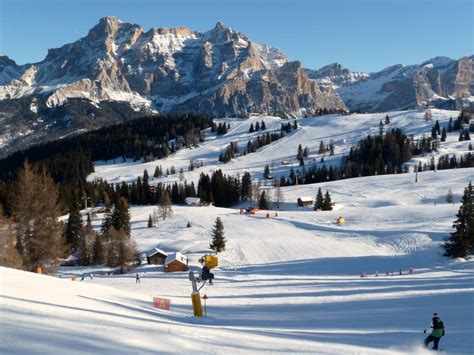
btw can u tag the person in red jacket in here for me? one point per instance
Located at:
(437, 331)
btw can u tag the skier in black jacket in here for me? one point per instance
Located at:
(437, 332)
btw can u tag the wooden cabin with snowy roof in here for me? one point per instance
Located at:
(176, 262)
(304, 201)
(156, 257)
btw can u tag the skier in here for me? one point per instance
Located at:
(376, 274)
(410, 270)
(137, 279)
(400, 272)
(437, 332)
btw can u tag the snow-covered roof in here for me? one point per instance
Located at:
(192, 200)
(176, 256)
(305, 199)
(155, 251)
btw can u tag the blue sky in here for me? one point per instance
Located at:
(365, 35)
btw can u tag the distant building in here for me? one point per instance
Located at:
(156, 257)
(176, 262)
(193, 201)
(304, 201)
(468, 112)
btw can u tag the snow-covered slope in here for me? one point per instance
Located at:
(286, 284)
(344, 130)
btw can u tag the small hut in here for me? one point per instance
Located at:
(176, 262)
(156, 257)
(304, 201)
(193, 201)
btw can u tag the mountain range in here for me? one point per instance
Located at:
(118, 71)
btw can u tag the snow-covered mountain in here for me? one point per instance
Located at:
(336, 75)
(220, 72)
(441, 81)
(84, 85)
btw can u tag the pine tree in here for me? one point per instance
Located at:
(246, 190)
(73, 228)
(251, 129)
(263, 203)
(86, 243)
(150, 221)
(121, 216)
(218, 241)
(266, 172)
(257, 126)
(461, 241)
(318, 203)
(107, 222)
(158, 172)
(299, 154)
(262, 126)
(35, 210)
(322, 148)
(387, 119)
(327, 203)
(443, 135)
(450, 196)
(98, 251)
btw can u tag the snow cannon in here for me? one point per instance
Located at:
(211, 261)
(341, 220)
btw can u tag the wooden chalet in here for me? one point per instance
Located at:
(176, 262)
(156, 257)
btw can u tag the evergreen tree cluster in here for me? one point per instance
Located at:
(258, 126)
(461, 242)
(373, 155)
(229, 153)
(219, 189)
(447, 162)
(69, 160)
(221, 129)
(261, 141)
(322, 203)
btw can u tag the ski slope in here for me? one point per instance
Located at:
(344, 130)
(286, 284)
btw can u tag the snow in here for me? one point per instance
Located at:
(287, 283)
(344, 130)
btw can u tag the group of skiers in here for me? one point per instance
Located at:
(387, 273)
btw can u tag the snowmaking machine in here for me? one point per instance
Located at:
(209, 262)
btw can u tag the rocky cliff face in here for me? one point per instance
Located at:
(335, 75)
(440, 81)
(220, 72)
